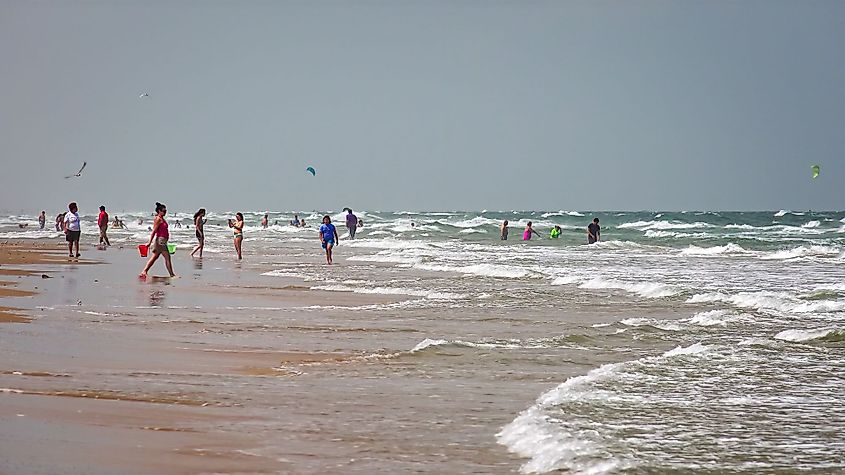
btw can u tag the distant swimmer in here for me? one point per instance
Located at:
(328, 237)
(504, 230)
(302, 223)
(103, 224)
(594, 232)
(42, 219)
(79, 173)
(71, 226)
(265, 221)
(143, 95)
(23, 225)
(237, 226)
(158, 242)
(526, 235)
(555, 232)
(117, 223)
(295, 220)
(351, 223)
(199, 226)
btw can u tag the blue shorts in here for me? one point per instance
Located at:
(328, 242)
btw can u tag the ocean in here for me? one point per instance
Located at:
(707, 342)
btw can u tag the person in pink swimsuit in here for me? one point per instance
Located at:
(526, 235)
(158, 242)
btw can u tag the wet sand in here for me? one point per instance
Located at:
(223, 370)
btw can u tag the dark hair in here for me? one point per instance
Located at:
(327, 217)
(102, 208)
(529, 223)
(595, 220)
(240, 216)
(72, 205)
(198, 213)
(160, 207)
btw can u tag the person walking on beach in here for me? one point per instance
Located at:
(504, 229)
(328, 237)
(238, 227)
(72, 229)
(526, 235)
(42, 220)
(60, 218)
(199, 226)
(265, 221)
(103, 224)
(351, 223)
(594, 232)
(158, 242)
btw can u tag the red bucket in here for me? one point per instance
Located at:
(143, 249)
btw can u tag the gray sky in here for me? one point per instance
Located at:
(424, 105)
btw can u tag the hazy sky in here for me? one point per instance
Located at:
(423, 105)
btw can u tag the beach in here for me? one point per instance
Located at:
(432, 348)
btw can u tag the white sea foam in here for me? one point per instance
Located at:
(650, 290)
(428, 342)
(663, 225)
(712, 317)
(536, 436)
(472, 230)
(485, 270)
(566, 280)
(811, 224)
(765, 300)
(729, 248)
(391, 291)
(802, 251)
(471, 223)
(652, 322)
(809, 335)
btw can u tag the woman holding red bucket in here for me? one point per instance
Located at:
(158, 242)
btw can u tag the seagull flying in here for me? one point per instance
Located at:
(143, 95)
(79, 173)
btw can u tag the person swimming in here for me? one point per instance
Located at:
(555, 232)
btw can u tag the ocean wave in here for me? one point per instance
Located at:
(784, 212)
(811, 224)
(614, 244)
(472, 223)
(652, 322)
(823, 334)
(715, 317)
(472, 231)
(534, 435)
(484, 270)
(650, 290)
(802, 251)
(663, 225)
(566, 280)
(435, 295)
(729, 248)
(770, 301)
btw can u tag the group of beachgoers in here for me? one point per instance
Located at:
(157, 246)
(593, 231)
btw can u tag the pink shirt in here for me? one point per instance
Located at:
(161, 230)
(526, 236)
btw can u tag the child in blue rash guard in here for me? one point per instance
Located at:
(328, 237)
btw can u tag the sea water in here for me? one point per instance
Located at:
(710, 341)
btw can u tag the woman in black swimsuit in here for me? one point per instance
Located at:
(199, 222)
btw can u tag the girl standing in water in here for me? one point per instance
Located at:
(199, 226)
(526, 235)
(238, 227)
(158, 242)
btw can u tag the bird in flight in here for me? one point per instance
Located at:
(79, 173)
(143, 95)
